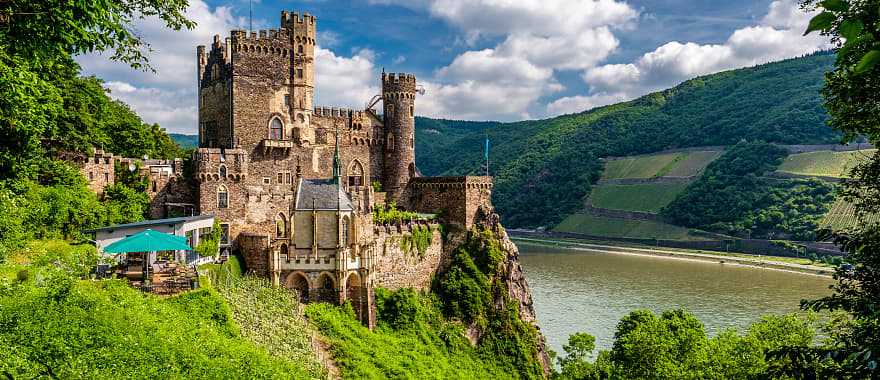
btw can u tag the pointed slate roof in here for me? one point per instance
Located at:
(325, 194)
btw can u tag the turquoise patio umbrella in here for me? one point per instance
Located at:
(149, 241)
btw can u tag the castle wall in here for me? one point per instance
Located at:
(254, 249)
(99, 171)
(166, 189)
(458, 200)
(395, 268)
(215, 95)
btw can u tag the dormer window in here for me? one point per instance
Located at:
(276, 129)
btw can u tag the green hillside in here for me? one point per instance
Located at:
(648, 197)
(544, 168)
(185, 141)
(824, 163)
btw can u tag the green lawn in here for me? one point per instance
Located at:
(650, 197)
(824, 163)
(683, 164)
(611, 227)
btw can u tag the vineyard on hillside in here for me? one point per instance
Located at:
(842, 215)
(648, 197)
(824, 163)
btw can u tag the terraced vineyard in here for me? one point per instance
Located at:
(842, 215)
(623, 228)
(824, 163)
(648, 197)
(681, 164)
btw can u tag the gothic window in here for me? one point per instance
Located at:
(280, 226)
(301, 118)
(356, 174)
(390, 145)
(224, 234)
(276, 129)
(283, 252)
(344, 226)
(222, 197)
(222, 171)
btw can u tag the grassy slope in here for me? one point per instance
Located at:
(641, 166)
(824, 163)
(694, 163)
(539, 165)
(649, 197)
(53, 321)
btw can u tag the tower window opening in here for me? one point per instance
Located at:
(276, 129)
(222, 197)
(390, 144)
(299, 73)
(281, 226)
(287, 100)
(299, 49)
(356, 174)
(411, 111)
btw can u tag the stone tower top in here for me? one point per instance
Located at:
(398, 82)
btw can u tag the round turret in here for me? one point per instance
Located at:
(398, 98)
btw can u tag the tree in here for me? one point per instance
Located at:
(852, 97)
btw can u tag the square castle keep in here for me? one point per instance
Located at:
(292, 183)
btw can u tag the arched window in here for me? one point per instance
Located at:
(344, 236)
(280, 226)
(355, 174)
(301, 117)
(276, 129)
(299, 49)
(222, 172)
(222, 197)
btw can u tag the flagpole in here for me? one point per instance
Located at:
(487, 154)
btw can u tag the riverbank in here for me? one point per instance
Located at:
(764, 262)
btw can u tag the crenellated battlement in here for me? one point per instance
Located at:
(338, 112)
(294, 17)
(470, 182)
(398, 83)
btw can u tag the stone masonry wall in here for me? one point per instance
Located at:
(396, 269)
(255, 250)
(459, 200)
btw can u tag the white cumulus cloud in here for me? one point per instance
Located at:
(778, 35)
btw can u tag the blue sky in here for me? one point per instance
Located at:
(480, 59)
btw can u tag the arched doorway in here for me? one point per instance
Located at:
(326, 289)
(354, 293)
(298, 282)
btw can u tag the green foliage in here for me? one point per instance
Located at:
(674, 345)
(389, 214)
(225, 274)
(401, 309)
(210, 246)
(543, 168)
(55, 325)
(418, 240)
(731, 197)
(377, 186)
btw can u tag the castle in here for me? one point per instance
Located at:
(295, 186)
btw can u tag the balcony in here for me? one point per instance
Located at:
(269, 144)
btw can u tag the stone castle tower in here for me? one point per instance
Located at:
(398, 94)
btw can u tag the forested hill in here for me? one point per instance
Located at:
(544, 168)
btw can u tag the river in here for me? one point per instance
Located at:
(576, 291)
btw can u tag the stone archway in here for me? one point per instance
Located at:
(325, 289)
(356, 294)
(299, 282)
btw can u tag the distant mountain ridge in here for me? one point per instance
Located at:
(543, 169)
